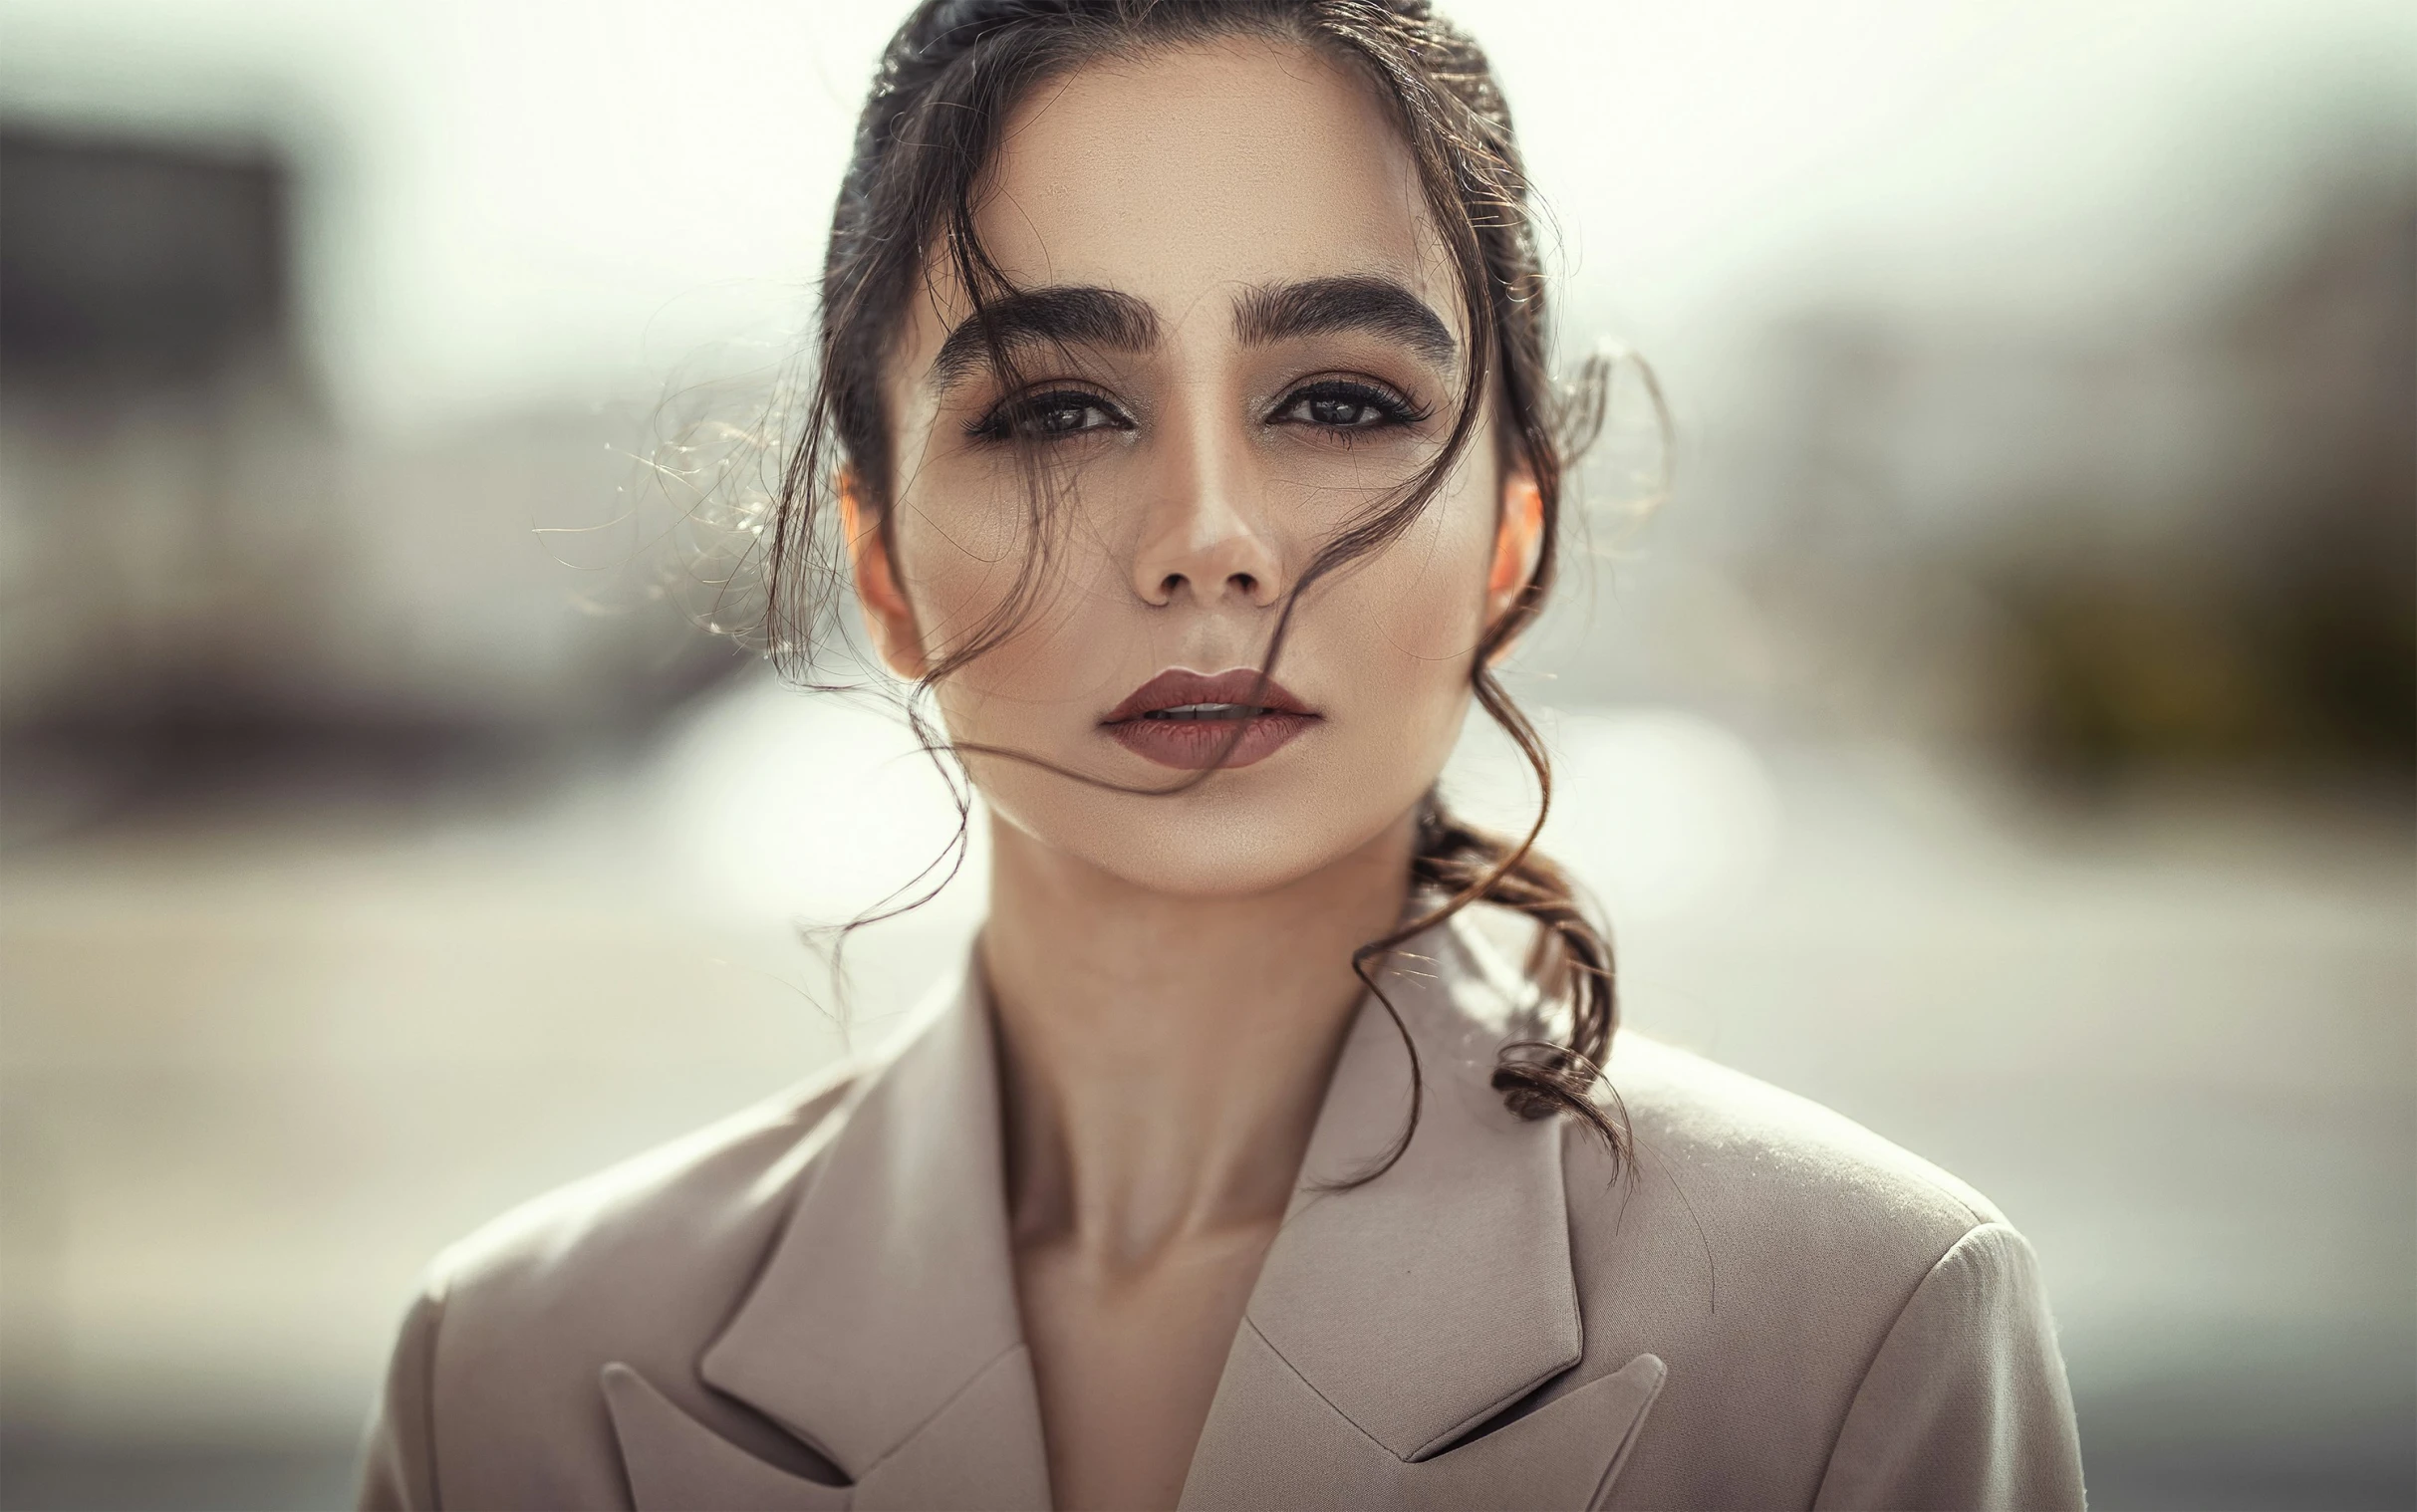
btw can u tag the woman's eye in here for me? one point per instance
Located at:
(1344, 406)
(1047, 416)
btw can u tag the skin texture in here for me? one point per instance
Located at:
(1172, 973)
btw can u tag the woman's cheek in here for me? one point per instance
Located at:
(957, 576)
(1431, 601)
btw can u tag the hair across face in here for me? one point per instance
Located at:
(1190, 338)
(1234, 337)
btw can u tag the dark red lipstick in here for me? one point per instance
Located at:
(1187, 719)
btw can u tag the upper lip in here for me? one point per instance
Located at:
(1176, 687)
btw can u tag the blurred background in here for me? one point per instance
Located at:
(2004, 734)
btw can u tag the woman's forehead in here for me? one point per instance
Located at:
(1186, 175)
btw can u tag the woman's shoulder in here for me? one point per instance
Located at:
(500, 1354)
(710, 1187)
(1840, 1317)
(1747, 1147)
(1754, 1177)
(637, 1261)
(1787, 1264)
(1737, 1147)
(1736, 1186)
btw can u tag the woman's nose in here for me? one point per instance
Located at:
(1203, 536)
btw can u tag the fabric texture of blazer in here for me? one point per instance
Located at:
(812, 1305)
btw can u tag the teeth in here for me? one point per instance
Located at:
(1207, 711)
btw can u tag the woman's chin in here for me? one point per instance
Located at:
(1200, 845)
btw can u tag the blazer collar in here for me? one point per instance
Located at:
(1428, 1299)
(883, 1327)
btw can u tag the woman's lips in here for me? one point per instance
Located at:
(1187, 719)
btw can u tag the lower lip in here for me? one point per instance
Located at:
(1191, 744)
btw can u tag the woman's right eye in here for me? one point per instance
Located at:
(1048, 416)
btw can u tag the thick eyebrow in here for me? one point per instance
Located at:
(1067, 315)
(1311, 307)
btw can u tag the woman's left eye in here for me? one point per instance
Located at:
(1336, 405)
(1047, 417)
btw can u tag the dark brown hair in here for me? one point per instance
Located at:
(928, 135)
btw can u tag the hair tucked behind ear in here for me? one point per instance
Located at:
(906, 210)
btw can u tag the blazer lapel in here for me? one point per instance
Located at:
(884, 1328)
(1394, 1320)
(676, 1462)
(1274, 1442)
(1408, 1341)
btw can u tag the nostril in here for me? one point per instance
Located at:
(1247, 582)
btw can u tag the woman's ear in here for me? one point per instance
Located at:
(887, 617)
(1518, 536)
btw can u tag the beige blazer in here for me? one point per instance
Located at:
(812, 1305)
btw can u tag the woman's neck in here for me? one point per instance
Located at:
(1162, 1057)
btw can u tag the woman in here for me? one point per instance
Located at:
(1185, 414)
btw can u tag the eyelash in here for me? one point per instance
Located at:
(1392, 409)
(1001, 420)
(999, 424)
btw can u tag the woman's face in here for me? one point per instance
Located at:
(1236, 334)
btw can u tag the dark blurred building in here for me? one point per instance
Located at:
(202, 568)
(2191, 540)
(164, 481)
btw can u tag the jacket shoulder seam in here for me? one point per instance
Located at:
(1880, 1347)
(437, 1291)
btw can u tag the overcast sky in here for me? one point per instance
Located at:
(528, 204)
